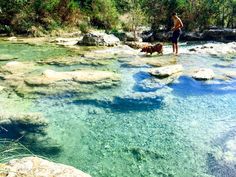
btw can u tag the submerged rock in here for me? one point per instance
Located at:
(76, 60)
(204, 74)
(155, 61)
(166, 71)
(99, 39)
(37, 167)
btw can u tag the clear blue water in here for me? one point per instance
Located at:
(142, 128)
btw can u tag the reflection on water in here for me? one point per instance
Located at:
(143, 128)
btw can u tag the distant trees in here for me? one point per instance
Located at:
(20, 15)
(196, 14)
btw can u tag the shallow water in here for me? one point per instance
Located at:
(138, 130)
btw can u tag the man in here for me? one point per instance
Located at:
(176, 32)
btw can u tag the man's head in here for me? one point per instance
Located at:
(174, 15)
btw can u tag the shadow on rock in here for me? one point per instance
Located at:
(126, 103)
(29, 130)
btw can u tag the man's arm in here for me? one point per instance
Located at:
(179, 24)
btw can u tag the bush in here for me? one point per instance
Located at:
(84, 27)
(104, 14)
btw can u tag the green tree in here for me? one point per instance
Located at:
(104, 14)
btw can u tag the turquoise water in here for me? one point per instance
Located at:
(142, 128)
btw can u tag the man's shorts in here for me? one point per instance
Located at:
(175, 36)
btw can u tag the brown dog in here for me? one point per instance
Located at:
(151, 49)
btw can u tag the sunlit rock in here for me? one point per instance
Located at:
(14, 126)
(166, 71)
(230, 74)
(137, 45)
(15, 67)
(6, 57)
(37, 167)
(66, 41)
(203, 74)
(216, 49)
(99, 39)
(82, 76)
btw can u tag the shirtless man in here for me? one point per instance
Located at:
(176, 32)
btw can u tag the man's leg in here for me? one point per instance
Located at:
(173, 46)
(177, 48)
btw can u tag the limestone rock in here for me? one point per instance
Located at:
(204, 74)
(15, 67)
(6, 57)
(137, 45)
(230, 74)
(166, 71)
(37, 167)
(33, 119)
(99, 39)
(216, 49)
(84, 76)
(66, 41)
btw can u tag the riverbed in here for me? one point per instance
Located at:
(135, 126)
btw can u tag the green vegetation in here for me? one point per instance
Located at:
(42, 16)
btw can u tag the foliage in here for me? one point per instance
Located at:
(20, 16)
(104, 14)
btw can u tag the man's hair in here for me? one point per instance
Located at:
(174, 14)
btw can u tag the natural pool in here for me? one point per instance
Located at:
(140, 128)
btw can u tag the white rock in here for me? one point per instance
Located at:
(99, 39)
(37, 167)
(204, 74)
(166, 71)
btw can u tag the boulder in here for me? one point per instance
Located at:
(224, 34)
(191, 36)
(166, 71)
(204, 74)
(38, 167)
(99, 39)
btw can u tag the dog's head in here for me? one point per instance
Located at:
(145, 48)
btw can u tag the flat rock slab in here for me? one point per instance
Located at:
(204, 74)
(34, 119)
(84, 76)
(15, 67)
(166, 71)
(230, 74)
(37, 167)
(155, 61)
(220, 50)
(6, 57)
